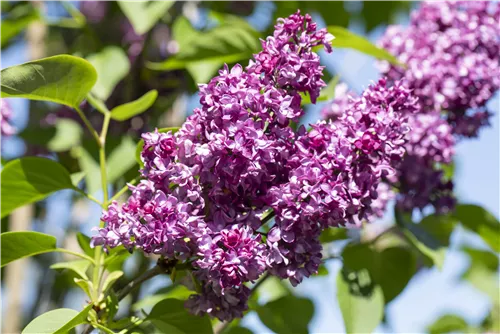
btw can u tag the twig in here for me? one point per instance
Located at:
(155, 271)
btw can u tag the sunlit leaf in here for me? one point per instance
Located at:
(477, 219)
(18, 245)
(448, 323)
(31, 179)
(134, 108)
(170, 316)
(62, 79)
(143, 15)
(80, 267)
(112, 65)
(346, 39)
(288, 314)
(362, 310)
(111, 279)
(16, 21)
(121, 159)
(57, 321)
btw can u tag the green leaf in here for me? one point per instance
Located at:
(448, 323)
(111, 279)
(31, 179)
(140, 144)
(134, 108)
(84, 242)
(477, 219)
(431, 256)
(483, 272)
(18, 245)
(62, 79)
(80, 267)
(176, 292)
(57, 321)
(143, 15)
(289, 314)
(170, 316)
(391, 268)
(91, 169)
(346, 39)
(77, 177)
(97, 103)
(203, 52)
(362, 310)
(16, 21)
(121, 159)
(238, 330)
(68, 135)
(274, 288)
(333, 234)
(86, 286)
(112, 65)
(439, 226)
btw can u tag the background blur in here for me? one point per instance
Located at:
(100, 32)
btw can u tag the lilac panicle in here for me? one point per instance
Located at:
(451, 51)
(5, 116)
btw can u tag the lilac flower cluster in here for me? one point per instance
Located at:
(236, 160)
(418, 180)
(334, 175)
(5, 115)
(451, 51)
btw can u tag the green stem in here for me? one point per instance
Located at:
(67, 251)
(90, 197)
(96, 275)
(267, 217)
(124, 189)
(89, 126)
(155, 271)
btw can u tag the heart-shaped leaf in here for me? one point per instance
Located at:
(57, 321)
(62, 79)
(31, 179)
(134, 108)
(346, 39)
(18, 245)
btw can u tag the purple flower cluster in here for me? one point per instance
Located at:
(5, 115)
(451, 51)
(419, 181)
(207, 188)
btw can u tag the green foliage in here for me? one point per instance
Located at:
(391, 268)
(16, 20)
(143, 15)
(483, 273)
(121, 159)
(439, 227)
(333, 234)
(238, 330)
(448, 323)
(288, 314)
(134, 108)
(361, 301)
(477, 219)
(112, 65)
(18, 245)
(57, 321)
(174, 291)
(202, 53)
(170, 316)
(62, 79)
(346, 39)
(84, 243)
(31, 179)
(111, 279)
(79, 267)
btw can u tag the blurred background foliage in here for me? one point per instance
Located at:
(170, 47)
